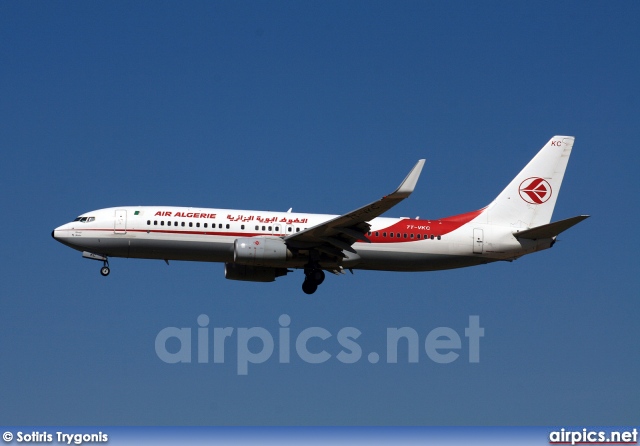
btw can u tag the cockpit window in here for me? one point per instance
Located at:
(85, 219)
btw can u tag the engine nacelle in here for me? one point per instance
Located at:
(260, 251)
(233, 271)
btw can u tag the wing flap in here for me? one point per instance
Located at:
(338, 244)
(357, 235)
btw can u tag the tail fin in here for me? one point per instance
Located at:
(529, 199)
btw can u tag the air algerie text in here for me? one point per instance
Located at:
(183, 214)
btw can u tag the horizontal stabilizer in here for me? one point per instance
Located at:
(550, 230)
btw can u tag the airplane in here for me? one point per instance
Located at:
(260, 246)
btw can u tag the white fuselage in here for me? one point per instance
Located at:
(199, 234)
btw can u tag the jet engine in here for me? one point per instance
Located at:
(260, 251)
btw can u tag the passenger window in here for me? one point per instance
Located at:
(162, 223)
(219, 225)
(198, 225)
(439, 238)
(155, 222)
(205, 225)
(264, 228)
(242, 227)
(183, 224)
(391, 234)
(377, 234)
(411, 235)
(257, 228)
(270, 229)
(297, 229)
(405, 235)
(175, 223)
(432, 237)
(191, 224)
(418, 236)
(277, 228)
(148, 222)
(384, 234)
(227, 226)
(289, 229)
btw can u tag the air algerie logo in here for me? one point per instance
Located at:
(535, 190)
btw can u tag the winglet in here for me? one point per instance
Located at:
(409, 183)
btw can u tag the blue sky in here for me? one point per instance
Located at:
(323, 107)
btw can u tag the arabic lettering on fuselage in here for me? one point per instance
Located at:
(266, 220)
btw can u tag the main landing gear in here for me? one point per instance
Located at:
(314, 276)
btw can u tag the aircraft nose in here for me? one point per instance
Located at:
(57, 234)
(61, 234)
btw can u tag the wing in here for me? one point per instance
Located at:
(338, 234)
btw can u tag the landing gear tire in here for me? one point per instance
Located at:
(313, 278)
(309, 287)
(105, 271)
(316, 276)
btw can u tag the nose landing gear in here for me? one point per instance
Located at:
(105, 261)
